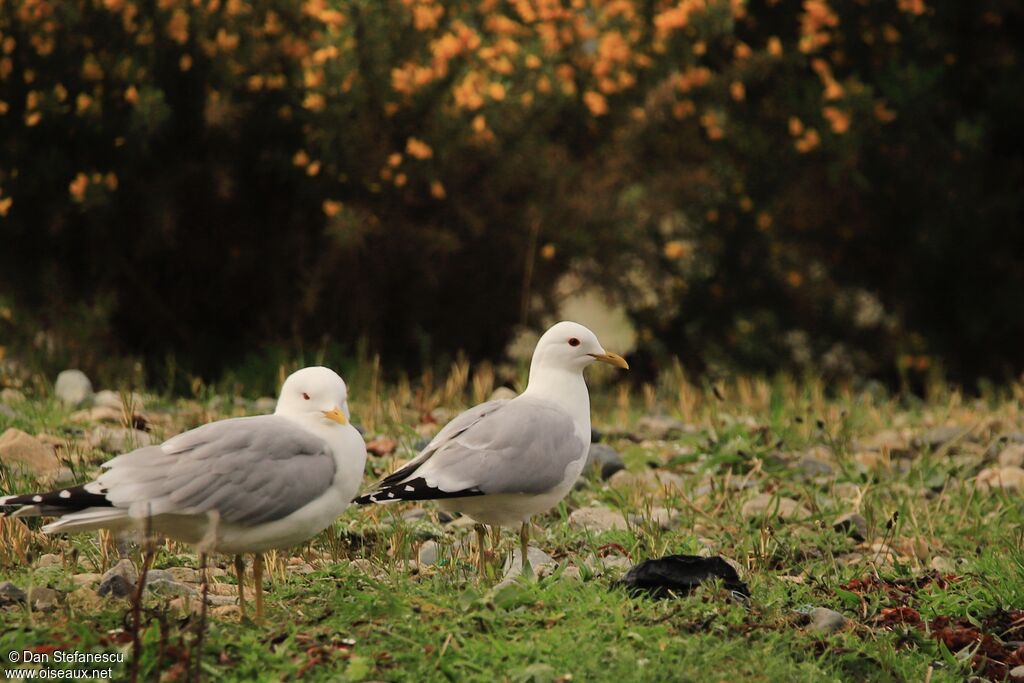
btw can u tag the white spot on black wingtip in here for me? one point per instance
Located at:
(37, 499)
(409, 489)
(391, 494)
(65, 494)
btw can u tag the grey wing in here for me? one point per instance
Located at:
(249, 470)
(525, 447)
(459, 424)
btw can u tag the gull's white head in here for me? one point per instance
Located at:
(571, 346)
(314, 392)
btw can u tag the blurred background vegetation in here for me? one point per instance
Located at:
(780, 185)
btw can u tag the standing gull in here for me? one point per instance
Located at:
(504, 461)
(242, 485)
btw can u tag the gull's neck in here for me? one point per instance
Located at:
(564, 387)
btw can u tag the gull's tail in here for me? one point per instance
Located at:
(78, 507)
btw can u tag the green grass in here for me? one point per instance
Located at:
(344, 621)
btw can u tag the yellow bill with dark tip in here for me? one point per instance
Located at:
(611, 359)
(336, 415)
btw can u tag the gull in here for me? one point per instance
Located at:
(241, 485)
(504, 461)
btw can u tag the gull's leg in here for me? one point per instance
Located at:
(481, 541)
(524, 544)
(257, 577)
(240, 573)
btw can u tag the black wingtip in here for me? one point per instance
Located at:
(69, 499)
(413, 489)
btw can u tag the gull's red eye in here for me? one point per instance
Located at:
(305, 395)
(574, 342)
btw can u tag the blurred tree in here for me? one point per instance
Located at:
(767, 184)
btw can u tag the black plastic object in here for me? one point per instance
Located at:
(680, 574)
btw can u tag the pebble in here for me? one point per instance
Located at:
(660, 427)
(1007, 478)
(10, 594)
(115, 586)
(1017, 672)
(649, 480)
(73, 388)
(514, 564)
(1012, 456)
(49, 560)
(605, 458)
(112, 399)
(814, 467)
(572, 573)
(166, 588)
(659, 516)
(84, 598)
(428, 553)
(9, 395)
(119, 439)
(119, 580)
(43, 599)
(786, 509)
(853, 524)
(87, 579)
(597, 519)
(825, 621)
(937, 437)
(184, 574)
(25, 452)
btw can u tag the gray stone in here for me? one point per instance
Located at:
(11, 594)
(814, 467)
(184, 574)
(604, 458)
(119, 439)
(662, 517)
(597, 519)
(937, 437)
(73, 388)
(1017, 672)
(49, 560)
(25, 452)
(853, 525)
(414, 514)
(159, 575)
(660, 427)
(572, 573)
(42, 598)
(8, 395)
(1012, 456)
(116, 586)
(124, 568)
(112, 399)
(428, 553)
(168, 588)
(825, 621)
(539, 561)
(87, 579)
(786, 509)
(8, 412)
